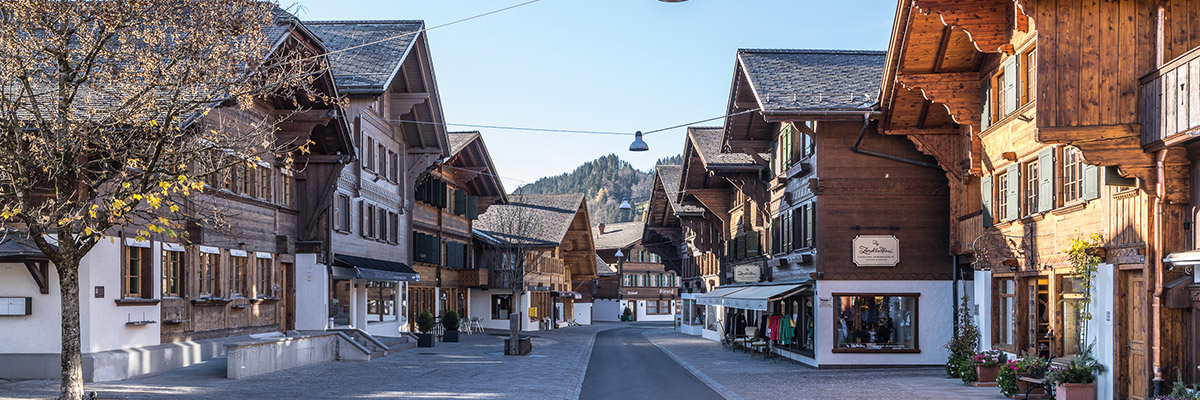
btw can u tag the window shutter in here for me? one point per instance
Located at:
(460, 202)
(985, 191)
(1011, 94)
(416, 248)
(1091, 182)
(362, 219)
(740, 246)
(472, 207)
(810, 223)
(435, 250)
(985, 117)
(1014, 191)
(776, 238)
(795, 226)
(1046, 180)
(752, 244)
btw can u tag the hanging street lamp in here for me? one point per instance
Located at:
(638, 144)
(625, 205)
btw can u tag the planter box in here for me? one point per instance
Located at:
(524, 347)
(1037, 393)
(1075, 391)
(450, 336)
(987, 374)
(425, 340)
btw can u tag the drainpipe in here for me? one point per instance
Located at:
(863, 132)
(1159, 201)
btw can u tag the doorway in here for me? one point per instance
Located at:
(1133, 372)
(289, 296)
(1038, 323)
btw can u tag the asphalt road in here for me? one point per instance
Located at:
(625, 365)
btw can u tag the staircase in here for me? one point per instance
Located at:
(368, 347)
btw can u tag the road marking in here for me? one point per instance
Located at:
(716, 387)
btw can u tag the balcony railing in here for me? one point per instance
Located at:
(970, 226)
(1170, 99)
(474, 277)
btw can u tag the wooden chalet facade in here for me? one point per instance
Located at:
(553, 235)
(1055, 121)
(144, 302)
(644, 284)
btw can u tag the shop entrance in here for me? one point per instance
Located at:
(1132, 372)
(1038, 295)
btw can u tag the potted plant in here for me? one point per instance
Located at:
(1180, 390)
(1032, 366)
(987, 365)
(1078, 379)
(425, 326)
(963, 345)
(627, 315)
(450, 321)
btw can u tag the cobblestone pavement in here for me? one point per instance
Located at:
(735, 375)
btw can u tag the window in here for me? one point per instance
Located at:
(172, 269)
(343, 212)
(369, 163)
(237, 275)
(786, 141)
(1072, 175)
(1006, 308)
(383, 224)
(208, 274)
(262, 271)
(1072, 314)
(339, 305)
(875, 322)
(652, 307)
(285, 189)
(626, 280)
(1030, 63)
(381, 301)
(1002, 197)
(501, 306)
(136, 272)
(786, 220)
(369, 227)
(394, 220)
(1031, 187)
(381, 156)
(1001, 96)
(264, 183)
(810, 143)
(797, 316)
(395, 167)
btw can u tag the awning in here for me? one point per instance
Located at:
(1191, 257)
(714, 297)
(757, 297)
(372, 269)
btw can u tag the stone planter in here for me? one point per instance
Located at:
(987, 374)
(450, 336)
(425, 340)
(524, 347)
(1075, 391)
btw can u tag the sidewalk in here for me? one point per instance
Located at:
(475, 368)
(735, 374)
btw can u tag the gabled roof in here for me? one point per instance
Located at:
(707, 142)
(460, 140)
(469, 154)
(618, 235)
(368, 52)
(531, 219)
(669, 176)
(794, 80)
(603, 268)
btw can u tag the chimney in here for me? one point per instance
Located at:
(601, 228)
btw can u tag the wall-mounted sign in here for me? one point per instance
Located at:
(748, 273)
(876, 250)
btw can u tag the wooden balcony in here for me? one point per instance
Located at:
(474, 277)
(1170, 101)
(970, 226)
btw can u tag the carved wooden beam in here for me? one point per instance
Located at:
(924, 131)
(958, 92)
(984, 21)
(39, 270)
(945, 149)
(403, 103)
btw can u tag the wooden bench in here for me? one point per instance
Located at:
(1056, 364)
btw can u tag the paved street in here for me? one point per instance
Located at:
(625, 365)
(628, 361)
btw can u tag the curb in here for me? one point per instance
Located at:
(585, 359)
(716, 387)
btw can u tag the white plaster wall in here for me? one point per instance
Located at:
(312, 293)
(606, 310)
(38, 333)
(482, 308)
(583, 313)
(983, 308)
(643, 316)
(102, 322)
(934, 328)
(1100, 328)
(358, 304)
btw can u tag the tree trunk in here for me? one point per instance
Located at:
(72, 367)
(514, 325)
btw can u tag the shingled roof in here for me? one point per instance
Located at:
(708, 142)
(669, 174)
(814, 79)
(531, 219)
(603, 268)
(372, 65)
(459, 140)
(618, 235)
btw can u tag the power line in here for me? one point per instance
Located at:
(401, 36)
(579, 131)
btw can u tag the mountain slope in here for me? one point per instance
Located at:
(605, 182)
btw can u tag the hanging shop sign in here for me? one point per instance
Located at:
(748, 273)
(876, 250)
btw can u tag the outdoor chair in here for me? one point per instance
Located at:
(745, 339)
(477, 324)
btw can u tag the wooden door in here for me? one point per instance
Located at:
(1037, 316)
(1133, 380)
(289, 296)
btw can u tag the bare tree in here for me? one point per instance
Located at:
(509, 250)
(115, 114)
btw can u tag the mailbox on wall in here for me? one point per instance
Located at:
(15, 306)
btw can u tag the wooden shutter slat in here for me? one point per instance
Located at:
(985, 191)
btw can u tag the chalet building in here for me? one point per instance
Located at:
(541, 243)
(646, 287)
(836, 231)
(1054, 122)
(449, 199)
(361, 280)
(606, 287)
(148, 306)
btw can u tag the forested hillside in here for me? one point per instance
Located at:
(605, 181)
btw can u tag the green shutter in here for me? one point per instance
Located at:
(985, 192)
(752, 244)
(740, 246)
(1045, 199)
(460, 202)
(1011, 90)
(435, 250)
(443, 197)
(472, 207)
(1091, 182)
(1013, 194)
(417, 247)
(985, 117)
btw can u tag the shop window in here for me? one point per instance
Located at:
(339, 304)
(1072, 310)
(688, 305)
(209, 265)
(136, 274)
(172, 271)
(501, 306)
(262, 271)
(797, 324)
(381, 301)
(1006, 309)
(237, 276)
(875, 322)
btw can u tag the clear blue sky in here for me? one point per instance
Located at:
(606, 65)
